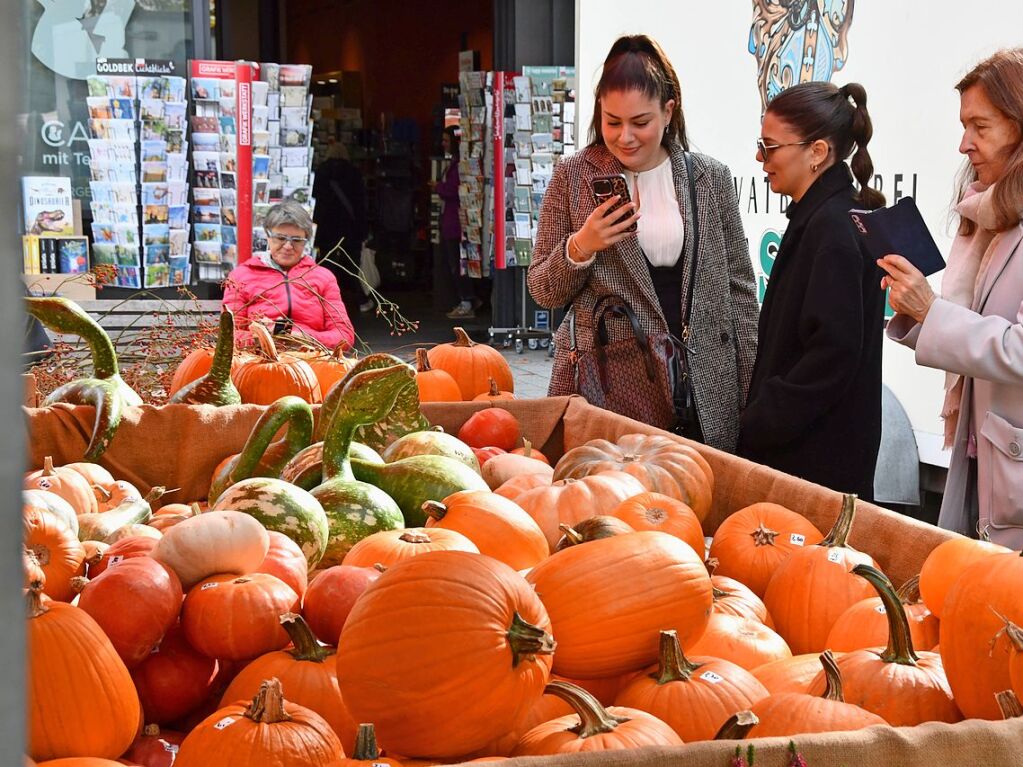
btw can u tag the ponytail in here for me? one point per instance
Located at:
(861, 131)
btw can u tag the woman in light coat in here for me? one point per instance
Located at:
(974, 330)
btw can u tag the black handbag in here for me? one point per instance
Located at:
(687, 421)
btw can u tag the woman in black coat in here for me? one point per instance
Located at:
(814, 407)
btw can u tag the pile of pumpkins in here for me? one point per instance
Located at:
(451, 599)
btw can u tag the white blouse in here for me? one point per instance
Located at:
(661, 227)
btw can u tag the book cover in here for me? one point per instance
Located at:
(73, 255)
(899, 229)
(46, 203)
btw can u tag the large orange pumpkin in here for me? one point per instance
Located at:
(865, 624)
(794, 674)
(476, 632)
(197, 363)
(499, 527)
(268, 376)
(175, 679)
(365, 752)
(815, 585)
(610, 598)
(472, 365)
(694, 696)
(307, 671)
(746, 642)
(946, 563)
(388, 547)
(57, 550)
(656, 511)
(286, 560)
(752, 543)
(903, 687)
(329, 367)
(569, 501)
(546, 707)
(985, 596)
(67, 483)
(662, 464)
(69, 652)
(269, 730)
(434, 384)
(734, 598)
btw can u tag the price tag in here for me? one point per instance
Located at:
(227, 721)
(833, 556)
(880, 610)
(710, 676)
(171, 748)
(796, 539)
(115, 560)
(209, 586)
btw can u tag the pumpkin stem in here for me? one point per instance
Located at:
(380, 568)
(1010, 629)
(712, 564)
(1009, 704)
(527, 640)
(48, 465)
(843, 525)
(593, 717)
(462, 338)
(366, 743)
(422, 361)
(196, 509)
(718, 593)
(572, 536)
(900, 642)
(673, 666)
(78, 584)
(764, 536)
(305, 645)
(415, 536)
(494, 391)
(265, 341)
(527, 446)
(737, 726)
(268, 705)
(34, 601)
(151, 730)
(909, 592)
(833, 690)
(435, 510)
(156, 493)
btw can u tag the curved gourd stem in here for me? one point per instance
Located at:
(102, 395)
(366, 398)
(839, 534)
(216, 387)
(594, 719)
(900, 642)
(289, 410)
(62, 315)
(332, 399)
(305, 645)
(673, 666)
(268, 705)
(737, 726)
(833, 678)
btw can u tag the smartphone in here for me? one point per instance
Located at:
(605, 187)
(282, 327)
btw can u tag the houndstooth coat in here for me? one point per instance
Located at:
(724, 322)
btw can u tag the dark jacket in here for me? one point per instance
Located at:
(340, 213)
(814, 407)
(447, 190)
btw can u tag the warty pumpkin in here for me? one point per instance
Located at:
(472, 604)
(174, 679)
(661, 464)
(59, 553)
(70, 652)
(268, 376)
(752, 543)
(67, 483)
(593, 728)
(389, 547)
(946, 562)
(815, 585)
(745, 642)
(694, 696)
(270, 730)
(434, 384)
(472, 365)
(903, 687)
(660, 512)
(609, 599)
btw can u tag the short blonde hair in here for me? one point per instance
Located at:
(291, 212)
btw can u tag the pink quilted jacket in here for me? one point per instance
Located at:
(308, 294)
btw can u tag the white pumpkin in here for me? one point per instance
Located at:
(499, 469)
(212, 543)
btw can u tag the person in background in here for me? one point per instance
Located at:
(340, 216)
(814, 406)
(638, 130)
(285, 289)
(451, 229)
(973, 329)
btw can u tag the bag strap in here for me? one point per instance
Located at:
(696, 251)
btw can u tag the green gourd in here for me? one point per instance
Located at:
(306, 469)
(431, 442)
(216, 387)
(130, 511)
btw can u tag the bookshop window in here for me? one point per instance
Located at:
(64, 41)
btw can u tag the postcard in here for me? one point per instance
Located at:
(296, 137)
(154, 171)
(229, 253)
(228, 162)
(206, 88)
(260, 118)
(207, 214)
(203, 160)
(155, 214)
(157, 254)
(295, 157)
(178, 239)
(227, 215)
(206, 196)
(259, 240)
(206, 232)
(156, 234)
(227, 108)
(176, 140)
(157, 274)
(260, 90)
(229, 235)
(113, 130)
(293, 96)
(208, 179)
(260, 166)
(177, 216)
(271, 74)
(204, 125)
(260, 142)
(228, 181)
(259, 212)
(227, 125)
(207, 251)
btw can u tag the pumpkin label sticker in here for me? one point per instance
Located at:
(208, 586)
(834, 555)
(880, 610)
(115, 560)
(710, 676)
(227, 721)
(796, 539)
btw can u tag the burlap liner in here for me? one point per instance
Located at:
(180, 445)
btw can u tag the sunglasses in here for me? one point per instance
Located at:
(766, 149)
(283, 239)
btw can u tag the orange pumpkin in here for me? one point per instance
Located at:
(593, 728)
(285, 560)
(472, 365)
(572, 500)
(454, 599)
(592, 529)
(946, 563)
(498, 527)
(34, 575)
(611, 597)
(434, 384)
(694, 696)
(329, 367)
(545, 708)
(388, 547)
(751, 544)
(307, 671)
(67, 483)
(661, 464)
(101, 724)
(985, 596)
(331, 596)
(196, 364)
(365, 752)
(516, 486)
(814, 586)
(265, 378)
(745, 642)
(124, 549)
(794, 674)
(80, 761)
(865, 624)
(656, 511)
(94, 473)
(493, 394)
(794, 713)
(903, 687)
(270, 730)
(734, 598)
(59, 553)
(529, 451)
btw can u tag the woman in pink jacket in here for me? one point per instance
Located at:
(286, 288)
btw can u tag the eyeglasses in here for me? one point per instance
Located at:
(282, 239)
(765, 149)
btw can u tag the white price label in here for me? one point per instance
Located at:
(170, 748)
(880, 610)
(115, 560)
(227, 721)
(834, 555)
(710, 676)
(208, 586)
(796, 539)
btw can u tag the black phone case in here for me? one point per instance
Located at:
(620, 187)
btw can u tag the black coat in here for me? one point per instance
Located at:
(814, 407)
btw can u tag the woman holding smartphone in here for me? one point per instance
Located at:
(814, 405)
(582, 254)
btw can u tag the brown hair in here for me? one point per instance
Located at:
(637, 63)
(839, 116)
(1001, 77)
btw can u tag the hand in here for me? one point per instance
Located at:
(910, 293)
(599, 233)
